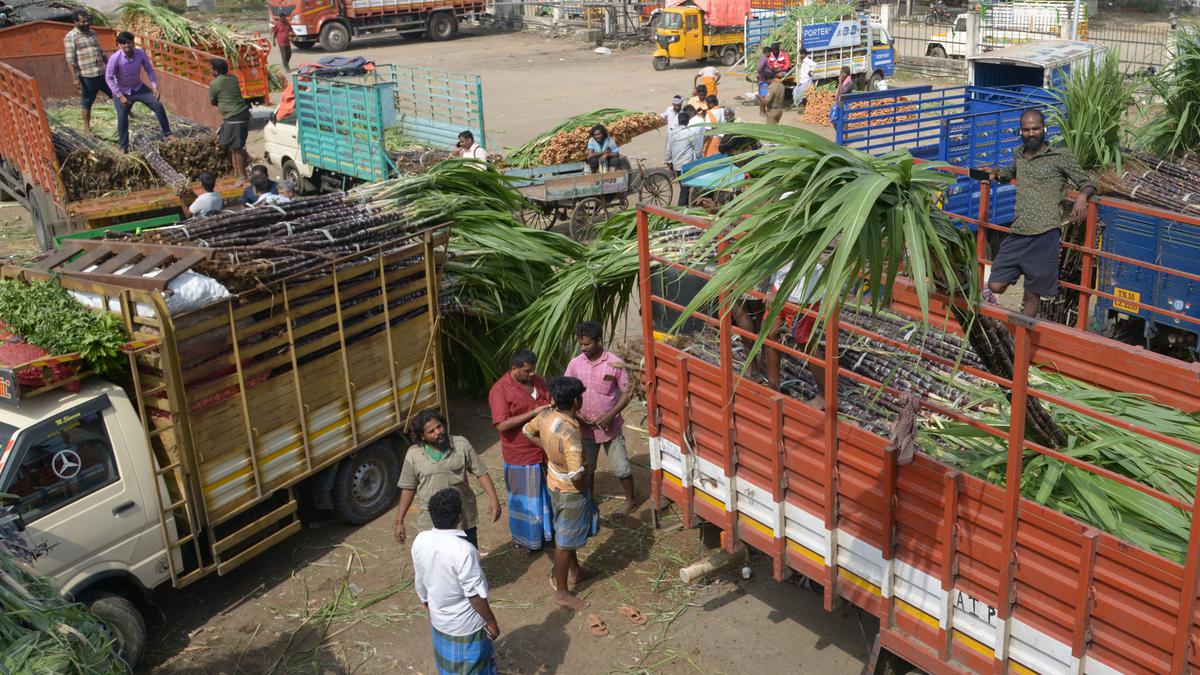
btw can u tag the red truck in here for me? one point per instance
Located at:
(335, 22)
(964, 575)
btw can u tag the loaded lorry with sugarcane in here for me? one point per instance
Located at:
(261, 358)
(835, 36)
(32, 171)
(1004, 494)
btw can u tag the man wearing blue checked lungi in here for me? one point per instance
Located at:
(451, 584)
(517, 397)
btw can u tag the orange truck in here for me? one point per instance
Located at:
(33, 70)
(334, 23)
(964, 575)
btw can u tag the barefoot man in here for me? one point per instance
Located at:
(606, 395)
(225, 92)
(556, 429)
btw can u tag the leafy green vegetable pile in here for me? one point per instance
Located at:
(47, 316)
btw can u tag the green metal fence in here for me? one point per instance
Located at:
(432, 107)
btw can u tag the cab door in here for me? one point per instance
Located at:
(76, 492)
(693, 36)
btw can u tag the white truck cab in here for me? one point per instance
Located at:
(77, 467)
(1007, 25)
(281, 151)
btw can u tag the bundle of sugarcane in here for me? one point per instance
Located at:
(563, 142)
(1155, 182)
(91, 174)
(259, 247)
(43, 632)
(145, 17)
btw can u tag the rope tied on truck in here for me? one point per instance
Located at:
(904, 428)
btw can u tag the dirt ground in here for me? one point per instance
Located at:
(338, 599)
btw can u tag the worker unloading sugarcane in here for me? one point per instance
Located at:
(123, 74)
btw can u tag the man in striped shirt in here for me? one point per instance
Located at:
(86, 59)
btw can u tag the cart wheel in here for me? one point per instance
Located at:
(584, 214)
(539, 217)
(657, 189)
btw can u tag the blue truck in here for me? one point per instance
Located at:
(336, 136)
(852, 41)
(975, 126)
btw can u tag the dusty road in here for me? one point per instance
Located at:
(337, 599)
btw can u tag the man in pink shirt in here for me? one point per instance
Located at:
(606, 395)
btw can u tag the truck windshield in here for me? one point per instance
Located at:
(671, 21)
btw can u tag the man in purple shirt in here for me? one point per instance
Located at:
(123, 73)
(605, 395)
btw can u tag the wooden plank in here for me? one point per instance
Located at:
(231, 564)
(115, 263)
(69, 249)
(149, 261)
(88, 259)
(223, 545)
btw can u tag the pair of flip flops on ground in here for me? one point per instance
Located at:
(600, 629)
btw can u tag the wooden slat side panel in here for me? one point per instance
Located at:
(919, 488)
(1049, 549)
(980, 523)
(861, 501)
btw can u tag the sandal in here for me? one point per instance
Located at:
(633, 615)
(521, 550)
(597, 625)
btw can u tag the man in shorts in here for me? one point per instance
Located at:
(576, 519)
(86, 60)
(225, 92)
(1031, 250)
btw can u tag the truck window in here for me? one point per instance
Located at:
(671, 20)
(960, 26)
(63, 464)
(692, 21)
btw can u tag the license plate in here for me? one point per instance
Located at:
(300, 30)
(1123, 294)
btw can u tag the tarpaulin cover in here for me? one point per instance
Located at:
(718, 12)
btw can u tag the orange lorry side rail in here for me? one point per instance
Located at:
(26, 132)
(965, 576)
(191, 64)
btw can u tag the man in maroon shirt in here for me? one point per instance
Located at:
(282, 30)
(517, 397)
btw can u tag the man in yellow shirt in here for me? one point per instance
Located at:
(556, 429)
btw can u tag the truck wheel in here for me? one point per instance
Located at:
(291, 172)
(729, 55)
(937, 52)
(129, 630)
(661, 63)
(442, 26)
(305, 45)
(365, 485)
(873, 83)
(334, 37)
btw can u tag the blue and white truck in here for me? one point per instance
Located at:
(852, 41)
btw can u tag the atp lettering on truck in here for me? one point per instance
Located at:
(980, 610)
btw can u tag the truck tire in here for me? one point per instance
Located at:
(335, 37)
(729, 55)
(126, 621)
(661, 63)
(873, 83)
(305, 45)
(442, 26)
(937, 52)
(365, 485)
(292, 172)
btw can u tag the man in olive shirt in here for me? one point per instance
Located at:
(771, 106)
(1031, 250)
(439, 461)
(225, 92)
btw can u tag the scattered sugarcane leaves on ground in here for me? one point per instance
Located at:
(42, 633)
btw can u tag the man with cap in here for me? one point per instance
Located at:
(671, 115)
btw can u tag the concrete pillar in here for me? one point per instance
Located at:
(972, 47)
(886, 14)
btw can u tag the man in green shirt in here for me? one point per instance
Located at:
(1031, 250)
(436, 462)
(225, 92)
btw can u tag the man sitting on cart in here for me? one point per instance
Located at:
(602, 151)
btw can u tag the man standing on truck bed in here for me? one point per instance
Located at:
(123, 73)
(86, 58)
(1031, 250)
(437, 462)
(225, 92)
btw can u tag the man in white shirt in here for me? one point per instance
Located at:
(708, 76)
(467, 148)
(263, 196)
(804, 77)
(450, 583)
(683, 146)
(671, 114)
